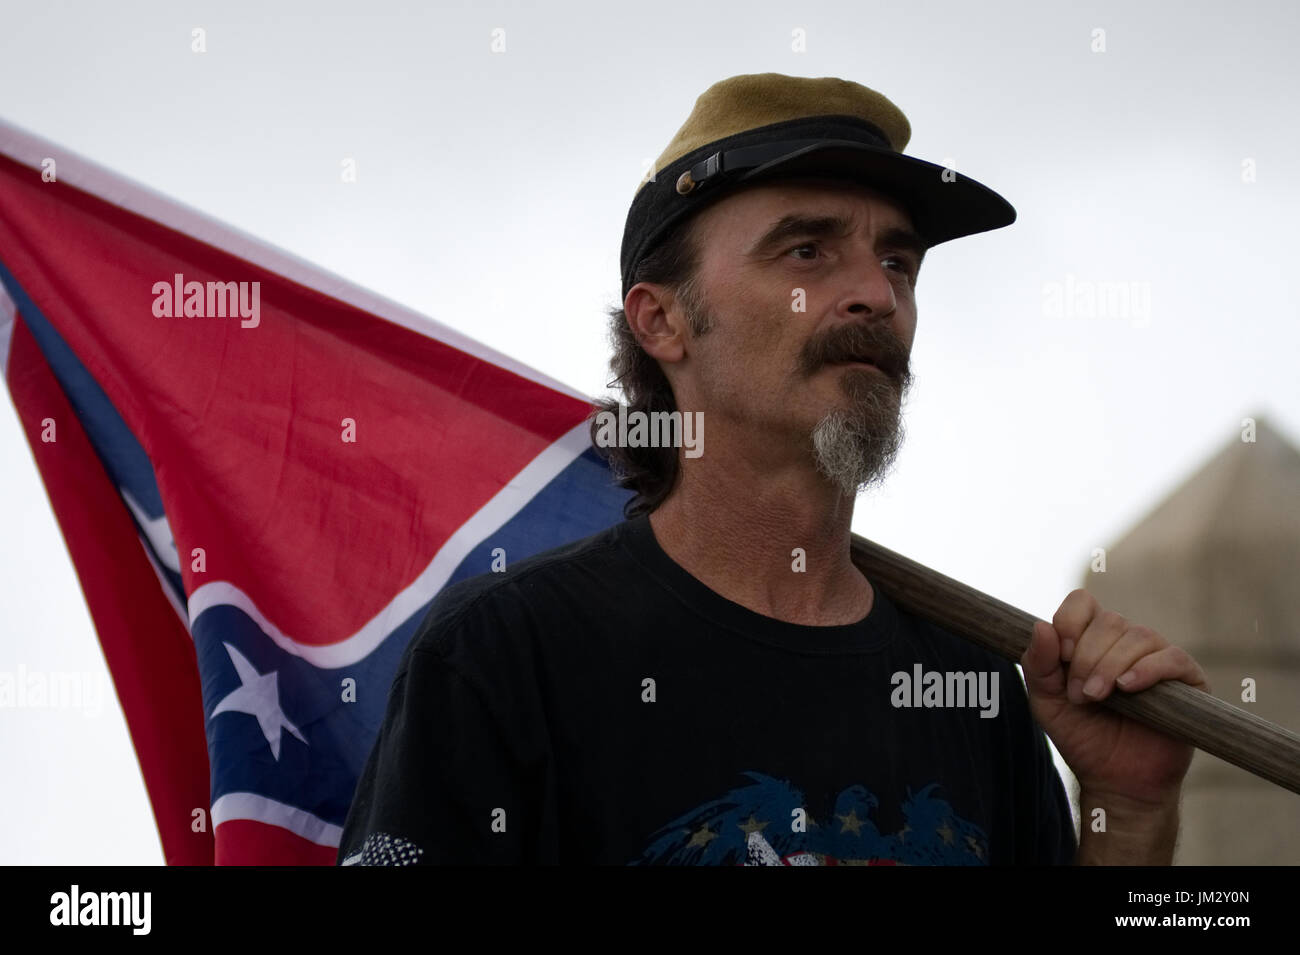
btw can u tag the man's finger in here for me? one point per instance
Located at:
(1137, 642)
(1104, 631)
(1041, 662)
(1072, 617)
(1170, 663)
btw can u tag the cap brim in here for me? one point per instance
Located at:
(942, 208)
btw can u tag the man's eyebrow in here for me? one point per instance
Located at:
(799, 226)
(905, 239)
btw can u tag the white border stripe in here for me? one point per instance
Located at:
(75, 170)
(257, 808)
(490, 517)
(166, 586)
(8, 312)
(157, 530)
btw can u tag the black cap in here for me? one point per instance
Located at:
(755, 128)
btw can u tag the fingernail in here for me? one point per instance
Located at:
(1067, 649)
(1093, 686)
(1126, 678)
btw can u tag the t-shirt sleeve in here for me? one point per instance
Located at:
(1046, 826)
(446, 782)
(1056, 843)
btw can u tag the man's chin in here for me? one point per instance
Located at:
(855, 447)
(873, 403)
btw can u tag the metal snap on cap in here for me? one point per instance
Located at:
(685, 183)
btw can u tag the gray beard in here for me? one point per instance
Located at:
(856, 448)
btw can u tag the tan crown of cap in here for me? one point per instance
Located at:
(752, 100)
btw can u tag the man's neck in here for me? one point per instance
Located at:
(778, 546)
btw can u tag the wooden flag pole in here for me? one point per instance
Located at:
(1195, 717)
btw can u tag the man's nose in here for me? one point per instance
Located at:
(871, 291)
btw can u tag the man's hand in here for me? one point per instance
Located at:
(1079, 659)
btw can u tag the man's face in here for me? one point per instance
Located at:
(801, 283)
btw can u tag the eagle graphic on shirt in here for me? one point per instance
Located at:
(768, 822)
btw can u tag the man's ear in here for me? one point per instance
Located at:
(656, 321)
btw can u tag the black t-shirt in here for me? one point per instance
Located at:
(597, 704)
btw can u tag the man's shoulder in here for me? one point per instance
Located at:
(503, 601)
(964, 655)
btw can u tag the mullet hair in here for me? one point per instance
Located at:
(650, 472)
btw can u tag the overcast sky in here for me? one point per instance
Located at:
(491, 194)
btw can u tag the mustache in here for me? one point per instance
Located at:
(855, 342)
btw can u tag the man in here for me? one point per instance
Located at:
(713, 681)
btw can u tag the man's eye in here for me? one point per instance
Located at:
(807, 245)
(904, 265)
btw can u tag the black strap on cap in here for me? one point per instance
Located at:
(733, 160)
(659, 204)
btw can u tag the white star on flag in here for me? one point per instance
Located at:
(258, 695)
